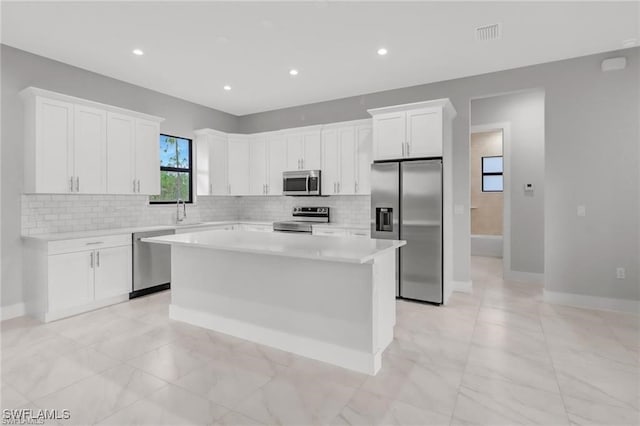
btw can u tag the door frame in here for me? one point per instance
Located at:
(505, 127)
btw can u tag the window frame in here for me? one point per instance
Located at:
(179, 170)
(491, 173)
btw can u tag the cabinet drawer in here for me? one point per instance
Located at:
(330, 232)
(359, 233)
(93, 243)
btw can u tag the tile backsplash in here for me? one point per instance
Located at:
(43, 214)
(348, 209)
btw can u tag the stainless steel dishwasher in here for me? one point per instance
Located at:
(151, 264)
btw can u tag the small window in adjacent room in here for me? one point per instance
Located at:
(175, 170)
(492, 178)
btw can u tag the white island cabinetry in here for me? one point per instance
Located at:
(330, 299)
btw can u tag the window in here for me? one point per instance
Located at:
(492, 178)
(176, 168)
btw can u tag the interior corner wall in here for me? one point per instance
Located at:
(591, 158)
(21, 69)
(524, 111)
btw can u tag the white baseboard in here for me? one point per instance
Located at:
(463, 286)
(592, 302)
(351, 359)
(69, 312)
(524, 277)
(12, 311)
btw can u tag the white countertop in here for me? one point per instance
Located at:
(118, 231)
(349, 250)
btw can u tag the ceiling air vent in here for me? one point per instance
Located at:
(489, 32)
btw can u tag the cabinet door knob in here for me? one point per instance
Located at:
(134, 185)
(71, 184)
(77, 183)
(138, 186)
(98, 259)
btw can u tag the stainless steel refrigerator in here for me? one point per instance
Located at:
(406, 204)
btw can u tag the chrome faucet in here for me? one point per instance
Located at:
(184, 210)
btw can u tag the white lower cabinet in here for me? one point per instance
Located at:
(112, 272)
(73, 276)
(70, 280)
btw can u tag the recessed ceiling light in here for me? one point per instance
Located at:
(293, 71)
(382, 51)
(630, 42)
(138, 52)
(226, 87)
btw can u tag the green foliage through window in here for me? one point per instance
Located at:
(175, 170)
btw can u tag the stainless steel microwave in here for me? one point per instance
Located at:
(301, 182)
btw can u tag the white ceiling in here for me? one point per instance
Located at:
(193, 49)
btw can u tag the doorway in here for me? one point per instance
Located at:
(514, 121)
(487, 193)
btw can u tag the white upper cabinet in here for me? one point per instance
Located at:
(347, 142)
(277, 162)
(410, 131)
(304, 150)
(346, 158)
(258, 165)
(73, 145)
(254, 163)
(203, 164)
(238, 149)
(389, 140)
(90, 149)
(121, 136)
(49, 146)
(424, 133)
(211, 162)
(331, 161)
(147, 157)
(219, 157)
(364, 159)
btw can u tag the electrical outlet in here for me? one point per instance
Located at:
(620, 273)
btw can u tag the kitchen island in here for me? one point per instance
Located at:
(326, 298)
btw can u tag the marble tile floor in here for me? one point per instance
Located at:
(499, 356)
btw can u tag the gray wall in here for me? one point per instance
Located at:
(524, 111)
(591, 154)
(21, 69)
(591, 158)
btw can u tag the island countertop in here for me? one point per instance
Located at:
(314, 247)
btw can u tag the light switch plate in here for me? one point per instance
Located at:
(582, 211)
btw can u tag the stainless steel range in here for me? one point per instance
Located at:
(304, 218)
